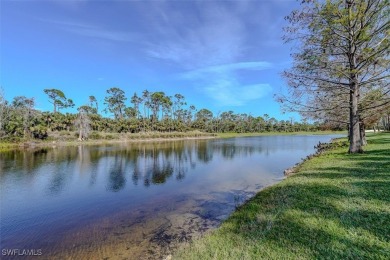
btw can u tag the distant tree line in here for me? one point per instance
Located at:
(150, 111)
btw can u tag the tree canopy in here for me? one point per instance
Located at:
(161, 112)
(58, 99)
(341, 59)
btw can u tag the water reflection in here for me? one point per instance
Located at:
(57, 197)
(116, 176)
(57, 182)
(153, 163)
(150, 164)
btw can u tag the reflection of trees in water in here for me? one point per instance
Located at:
(147, 163)
(155, 163)
(228, 151)
(158, 164)
(61, 170)
(205, 154)
(25, 164)
(117, 179)
(161, 171)
(23, 161)
(86, 163)
(136, 175)
(231, 150)
(58, 181)
(240, 147)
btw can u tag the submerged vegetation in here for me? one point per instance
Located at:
(335, 207)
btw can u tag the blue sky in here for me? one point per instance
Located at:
(221, 55)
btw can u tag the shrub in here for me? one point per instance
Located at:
(109, 137)
(95, 135)
(39, 132)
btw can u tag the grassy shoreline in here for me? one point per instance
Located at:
(68, 138)
(337, 206)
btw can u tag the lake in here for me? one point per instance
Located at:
(134, 200)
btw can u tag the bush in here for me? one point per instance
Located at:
(95, 135)
(39, 132)
(109, 137)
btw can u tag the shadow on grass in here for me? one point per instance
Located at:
(325, 244)
(336, 213)
(309, 219)
(348, 172)
(379, 140)
(379, 153)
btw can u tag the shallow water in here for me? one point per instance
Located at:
(134, 201)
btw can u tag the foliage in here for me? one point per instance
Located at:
(341, 63)
(160, 113)
(4, 112)
(115, 102)
(39, 132)
(58, 99)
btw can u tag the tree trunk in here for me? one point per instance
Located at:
(355, 144)
(80, 134)
(363, 134)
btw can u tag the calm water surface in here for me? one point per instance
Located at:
(134, 201)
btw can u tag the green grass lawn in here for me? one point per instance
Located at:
(336, 207)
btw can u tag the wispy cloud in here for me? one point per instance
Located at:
(221, 83)
(87, 30)
(210, 47)
(232, 93)
(207, 44)
(216, 36)
(227, 68)
(103, 34)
